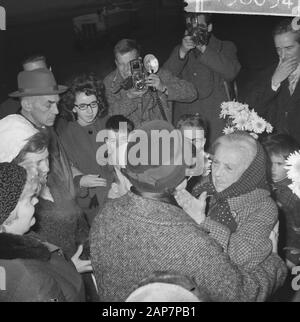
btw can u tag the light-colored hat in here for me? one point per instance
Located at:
(162, 292)
(15, 131)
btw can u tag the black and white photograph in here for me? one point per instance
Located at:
(149, 152)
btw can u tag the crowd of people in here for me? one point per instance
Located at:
(96, 206)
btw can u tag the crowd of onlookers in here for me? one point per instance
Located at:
(81, 220)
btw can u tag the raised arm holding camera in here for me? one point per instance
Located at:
(140, 93)
(208, 63)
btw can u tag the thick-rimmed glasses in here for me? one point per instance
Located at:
(84, 107)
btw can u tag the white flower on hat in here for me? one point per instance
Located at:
(293, 166)
(15, 131)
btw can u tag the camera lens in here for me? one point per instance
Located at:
(140, 84)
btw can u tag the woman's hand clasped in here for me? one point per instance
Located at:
(194, 207)
(92, 181)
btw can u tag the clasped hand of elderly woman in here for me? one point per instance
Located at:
(92, 181)
(194, 207)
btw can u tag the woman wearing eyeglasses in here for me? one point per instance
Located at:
(85, 101)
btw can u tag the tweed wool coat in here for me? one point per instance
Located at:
(256, 215)
(207, 72)
(133, 237)
(145, 108)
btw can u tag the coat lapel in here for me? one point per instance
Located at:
(296, 95)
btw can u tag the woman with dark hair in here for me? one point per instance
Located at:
(85, 100)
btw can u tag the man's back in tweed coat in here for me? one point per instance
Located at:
(133, 237)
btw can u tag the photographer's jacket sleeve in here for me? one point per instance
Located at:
(178, 89)
(219, 57)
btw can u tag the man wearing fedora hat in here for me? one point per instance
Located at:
(39, 96)
(12, 105)
(60, 220)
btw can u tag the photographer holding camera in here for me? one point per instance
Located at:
(140, 95)
(208, 63)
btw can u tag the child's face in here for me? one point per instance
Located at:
(116, 145)
(278, 171)
(196, 136)
(23, 214)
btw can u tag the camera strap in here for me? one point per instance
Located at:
(160, 106)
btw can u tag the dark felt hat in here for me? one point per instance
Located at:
(168, 171)
(37, 82)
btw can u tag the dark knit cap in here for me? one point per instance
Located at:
(12, 182)
(169, 170)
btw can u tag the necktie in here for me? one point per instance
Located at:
(293, 79)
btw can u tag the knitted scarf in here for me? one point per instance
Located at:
(253, 178)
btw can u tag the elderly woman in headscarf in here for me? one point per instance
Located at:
(241, 213)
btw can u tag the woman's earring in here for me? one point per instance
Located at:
(74, 115)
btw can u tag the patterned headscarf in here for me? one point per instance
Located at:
(253, 178)
(12, 182)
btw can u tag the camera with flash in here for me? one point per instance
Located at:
(137, 74)
(198, 31)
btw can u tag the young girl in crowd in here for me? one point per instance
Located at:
(278, 147)
(85, 99)
(118, 128)
(34, 270)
